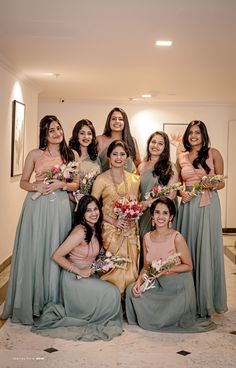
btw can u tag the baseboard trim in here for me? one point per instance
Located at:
(229, 230)
(5, 263)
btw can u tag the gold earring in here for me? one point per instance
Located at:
(153, 224)
(170, 224)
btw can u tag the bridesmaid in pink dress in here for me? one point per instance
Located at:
(169, 306)
(44, 223)
(90, 308)
(199, 219)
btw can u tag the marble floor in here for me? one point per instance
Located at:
(20, 348)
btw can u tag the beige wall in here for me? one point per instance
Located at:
(11, 196)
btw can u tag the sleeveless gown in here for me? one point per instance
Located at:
(90, 308)
(200, 223)
(171, 305)
(44, 223)
(113, 238)
(147, 182)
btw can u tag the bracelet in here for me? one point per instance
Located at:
(65, 187)
(34, 187)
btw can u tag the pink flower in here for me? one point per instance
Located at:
(108, 254)
(157, 264)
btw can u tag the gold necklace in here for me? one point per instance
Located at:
(116, 185)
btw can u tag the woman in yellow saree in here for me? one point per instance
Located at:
(120, 237)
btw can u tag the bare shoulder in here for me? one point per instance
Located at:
(215, 153)
(35, 154)
(79, 231)
(76, 155)
(141, 167)
(179, 238)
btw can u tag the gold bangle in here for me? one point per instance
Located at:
(65, 187)
(34, 187)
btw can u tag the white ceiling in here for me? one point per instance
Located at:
(105, 49)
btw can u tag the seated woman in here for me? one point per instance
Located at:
(120, 237)
(91, 308)
(171, 304)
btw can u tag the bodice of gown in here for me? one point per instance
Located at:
(45, 163)
(85, 254)
(161, 248)
(104, 188)
(147, 182)
(189, 174)
(87, 165)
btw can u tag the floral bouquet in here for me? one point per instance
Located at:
(155, 270)
(159, 191)
(87, 182)
(59, 172)
(128, 209)
(211, 180)
(85, 185)
(107, 261)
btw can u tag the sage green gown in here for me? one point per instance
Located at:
(90, 308)
(44, 223)
(171, 305)
(200, 223)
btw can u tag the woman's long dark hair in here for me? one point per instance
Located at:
(203, 152)
(74, 141)
(66, 152)
(79, 218)
(164, 200)
(126, 134)
(163, 167)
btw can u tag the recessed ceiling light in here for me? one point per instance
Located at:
(163, 43)
(50, 74)
(146, 95)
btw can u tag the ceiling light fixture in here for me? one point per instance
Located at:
(146, 95)
(163, 43)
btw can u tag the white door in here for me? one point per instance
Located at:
(231, 180)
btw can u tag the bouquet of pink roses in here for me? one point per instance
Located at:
(128, 209)
(59, 172)
(159, 191)
(155, 270)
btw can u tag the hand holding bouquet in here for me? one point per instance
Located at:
(159, 191)
(207, 182)
(59, 172)
(127, 210)
(157, 268)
